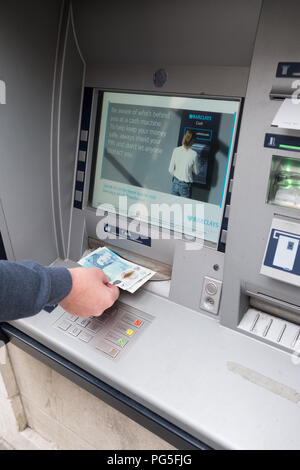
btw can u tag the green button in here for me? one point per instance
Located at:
(121, 342)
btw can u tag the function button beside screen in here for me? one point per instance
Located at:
(115, 338)
(223, 236)
(86, 337)
(227, 211)
(78, 196)
(84, 135)
(64, 325)
(80, 176)
(108, 349)
(83, 322)
(75, 330)
(82, 156)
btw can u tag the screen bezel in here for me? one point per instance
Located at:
(94, 141)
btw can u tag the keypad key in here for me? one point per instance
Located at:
(68, 316)
(94, 326)
(108, 349)
(75, 330)
(86, 337)
(64, 325)
(83, 322)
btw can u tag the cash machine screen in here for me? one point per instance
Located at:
(165, 159)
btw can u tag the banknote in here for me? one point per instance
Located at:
(122, 273)
(140, 283)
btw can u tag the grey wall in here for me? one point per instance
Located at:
(28, 38)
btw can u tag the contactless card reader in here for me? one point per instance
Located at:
(282, 255)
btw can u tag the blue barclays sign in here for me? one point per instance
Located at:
(201, 117)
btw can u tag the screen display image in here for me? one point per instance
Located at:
(165, 150)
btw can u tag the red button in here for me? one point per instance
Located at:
(138, 323)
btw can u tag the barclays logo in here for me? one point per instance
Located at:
(199, 116)
(2, 92)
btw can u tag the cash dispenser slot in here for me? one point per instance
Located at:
(163, 270)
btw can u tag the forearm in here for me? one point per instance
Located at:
(26, 287)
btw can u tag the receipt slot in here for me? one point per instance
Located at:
(282, 257)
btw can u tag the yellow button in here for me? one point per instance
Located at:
(129, 332)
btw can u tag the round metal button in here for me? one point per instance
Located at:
(211, 288)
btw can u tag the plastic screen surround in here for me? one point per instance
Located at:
(165, 154)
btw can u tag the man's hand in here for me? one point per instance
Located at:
(91, 293)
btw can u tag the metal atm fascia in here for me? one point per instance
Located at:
(183, 350)
(251, 216)
(206, 377)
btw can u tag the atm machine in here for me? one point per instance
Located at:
(207, 354)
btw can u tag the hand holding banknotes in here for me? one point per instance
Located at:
(91, 293)
(121, 272)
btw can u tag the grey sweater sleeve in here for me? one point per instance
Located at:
(27, 287)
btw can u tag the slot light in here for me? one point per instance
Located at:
(291, 147)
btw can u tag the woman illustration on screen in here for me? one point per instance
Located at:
(183, 164)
